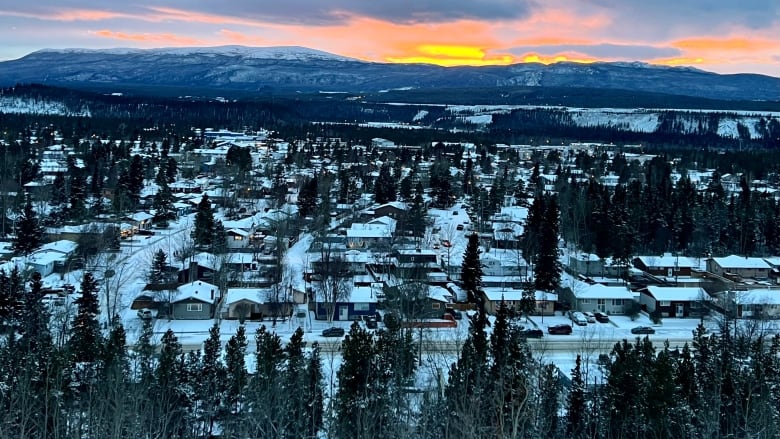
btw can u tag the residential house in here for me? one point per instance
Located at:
(590, 265)
(140, 221)
(361, 301)
(394, 209)
(194, 301)
(201, 266)
(737, 268)
(255, 304)
(756, 303)
(597, 297)
(667, 265)
(377, 232)
(237, 239)
(674, 301)
(545, 302)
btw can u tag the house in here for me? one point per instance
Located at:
(202, 266)
(394, 209)
(237, 239)
(757, 303)
(361, 301)
(590, 265)
(674, 301)
(379, 231)
(597, 297)
(667, 265)
(140, 220)
(737, 267)
(499, 262)
(545, 302)
(255, 304)
(194, 301)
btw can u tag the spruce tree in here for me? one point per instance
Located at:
(158, 273)
(266, 397)
(210, 390)
(203, 232)
(28, 231)
(471, 271)
(237, 378)
(575, 403)
(307, 197)
(547, 269)
(86, 341)
(314, 393)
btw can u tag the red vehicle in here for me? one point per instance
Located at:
(446, 243)
(559, 329)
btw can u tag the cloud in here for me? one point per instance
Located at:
(153, 38)
(602, 50)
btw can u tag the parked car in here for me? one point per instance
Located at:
(144, 232)
(145, 314)
(459, 227)
(457, 315)
(579, 318)
(642, 330)
(590, 317)
(562, 329)
(532, 333)
(371, 322)
(333, 332)
(601, 317)
(446, 243)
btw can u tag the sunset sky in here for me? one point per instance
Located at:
(725, 36)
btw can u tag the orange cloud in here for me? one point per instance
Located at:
(164, 38)
(726, 44)
(544, 59)
(680, 61)
(70, 15)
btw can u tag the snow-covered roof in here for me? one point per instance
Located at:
(63, 246)
(439, 293)
(140, 216)
(735, 261)
(677, 293)
(239, 232)
(197, 290)
(255, 295)
(757, 297)
(667, 260)
(363, 295)
(598, 291)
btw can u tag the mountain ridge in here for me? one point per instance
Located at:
(302, 69)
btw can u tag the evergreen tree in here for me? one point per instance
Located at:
(204, 231)
(415, 220)
(86, 341)
(163, 204)
(307, 197)
(266, 400)
(575, 403)
(159, 271)
(210, 388)
(135, 180)
(237, 378)
(441, 184)
(314, 393)
(471, 272)
(547, 269)
(385, 186)
(12, 299)
(28, 231)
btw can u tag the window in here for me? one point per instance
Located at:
(361, 307)
(617, 302)
(238, 237)
(665, 303)
(585, 301)
(601, 302)
(435, 305)
(195, 307)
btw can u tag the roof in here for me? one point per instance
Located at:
(735, 261)
(239, 232)
(677, 293)
(757, 297)
(514, 294)
(62, 246)
(363, 295)
(197, 290)
(667, 260)
(598, 291)
(255, 295)
(140, 216)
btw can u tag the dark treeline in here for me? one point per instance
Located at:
(82, 381)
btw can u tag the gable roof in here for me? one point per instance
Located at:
(677, 293)
(599, 291)
(734, 261)
(197, 290)
(667, 260)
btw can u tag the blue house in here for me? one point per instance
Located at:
(361, 302)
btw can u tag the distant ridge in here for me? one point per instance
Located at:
(270, 69)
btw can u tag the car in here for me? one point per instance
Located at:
(579, 318)
(532, 333)
(457, 315)
(459, 227)
(145, 314)
(642, 330)
(333, 332)
(601, 317)
(590, 317)
(435, 246)
(454, 212)
(446, 243)
(144, 232)
(370, 321)
(562, 329)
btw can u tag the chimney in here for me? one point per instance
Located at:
(193, 271)
(212, 295)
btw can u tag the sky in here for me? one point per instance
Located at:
(724, 36)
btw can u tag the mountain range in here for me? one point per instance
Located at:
(298, 69)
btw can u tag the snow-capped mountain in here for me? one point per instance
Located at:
(241, 68)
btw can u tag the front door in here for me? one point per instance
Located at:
(680, 310)
(343, 313)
